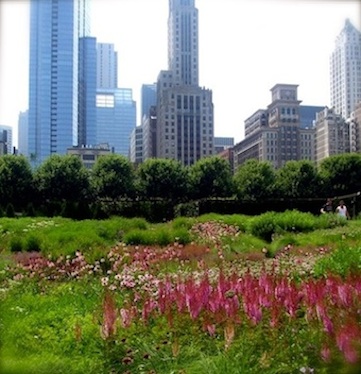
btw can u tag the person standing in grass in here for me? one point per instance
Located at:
(342, 211)
(327, 207)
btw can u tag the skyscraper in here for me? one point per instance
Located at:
(55, 29)
(184, 110)
(345, 70)
(87, 92)
(148, 98)
(107, 66)
(23, 130)
(6, 140)
(115, 107)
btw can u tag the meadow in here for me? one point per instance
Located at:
(274, 293)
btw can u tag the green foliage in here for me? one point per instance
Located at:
(32, 244)
(183, 222)
(187, 209)
(297, 179)
(16, 180)
(30, 210)
(161, 235)
(211, 177)
(341, 174)
(113, 177)
(16, 244)
(254, 180)
(63, 236)
(342, 261)
(266, 225)
(62, 178)
(163, 178)
(10, 211)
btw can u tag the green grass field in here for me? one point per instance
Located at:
(277, 293)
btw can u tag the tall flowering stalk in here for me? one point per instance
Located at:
(108, 328)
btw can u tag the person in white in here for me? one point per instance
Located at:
(342, 211)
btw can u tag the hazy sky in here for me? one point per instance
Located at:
(246, 47)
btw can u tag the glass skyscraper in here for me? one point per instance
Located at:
(55, 29)
(87, 92)
(116, 117)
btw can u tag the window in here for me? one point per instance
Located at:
(105, 101)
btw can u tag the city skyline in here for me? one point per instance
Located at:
(239, 71)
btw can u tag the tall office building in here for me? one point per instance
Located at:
(281, 133)
(149, 99)
(6, 140)
(87, 92)
(107, 66)
(185, 127)
(345, 70)
(116, 118)
(332, 134)
(55, 29)
(115, 107)
(23, 129)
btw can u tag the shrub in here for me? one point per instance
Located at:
(263, 226)
(139, 237)
(189, 209)
(183, 222)
(32, 244)
(10, 211)
(16, 244)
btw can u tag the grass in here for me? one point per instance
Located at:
(54, 326)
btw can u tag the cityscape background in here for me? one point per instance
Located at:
(245, 48)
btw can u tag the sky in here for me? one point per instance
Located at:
(245, 48)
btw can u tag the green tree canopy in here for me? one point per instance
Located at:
(62, 178)
(163, 178)
(16, 181)
(113, 176)
(297, 179)
(341, 174)
(211, 177)
(254, 180)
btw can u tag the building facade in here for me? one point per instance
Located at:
(279, 133)
(148, 98)
(89, 155)
(116, 118)
(6, 140)
(355, 129)
(107, 66)
(87, 92)
(23, 130)
(345, 70)
(136, 145)
(222, 143)
(185, 125)
(149, 125)
(332, 134)
(55, 29)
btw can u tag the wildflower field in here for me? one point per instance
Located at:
(275, 293)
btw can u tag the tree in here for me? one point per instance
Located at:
(211, 177)
(341, 174)
(62, 178)
(254, 180)
(297, 179)
(163, 178)
(16, 181)
(113, 177)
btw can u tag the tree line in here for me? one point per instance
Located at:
(62, 181)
